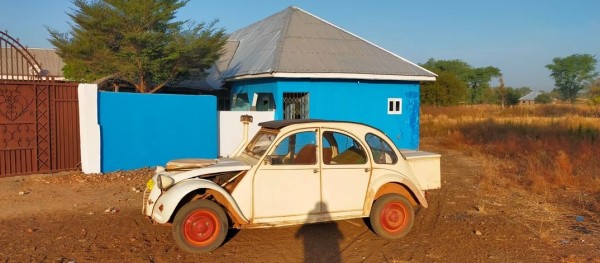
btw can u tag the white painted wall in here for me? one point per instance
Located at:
(89, 130)
(231, 131)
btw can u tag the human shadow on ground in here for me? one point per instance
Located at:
(321, 241)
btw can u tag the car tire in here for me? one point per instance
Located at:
(392, 216)
(200, 226)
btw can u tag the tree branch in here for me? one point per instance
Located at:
(171, 77)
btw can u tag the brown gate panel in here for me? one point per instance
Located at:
(39, 127)
(18, 142)
(20, 161)
(65, 110)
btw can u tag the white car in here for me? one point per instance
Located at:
(293, 172)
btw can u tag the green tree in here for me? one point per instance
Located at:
(447, 90)
(479, 82)
(508, 96)
(594, 88)
(571, 74)
(137, 40)
(543, 98)
(477, 79)
(555, 93)
(513, 97)
(488, 96)
(457, 67)
(594, 92)
(502, 92)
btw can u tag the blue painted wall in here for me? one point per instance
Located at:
(142, 130)
(350, 100)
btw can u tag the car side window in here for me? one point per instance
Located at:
(382, 151)
(339, 148)
(296, 149)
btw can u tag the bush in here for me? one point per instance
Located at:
(543, 98)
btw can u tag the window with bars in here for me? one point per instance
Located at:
(295, 105)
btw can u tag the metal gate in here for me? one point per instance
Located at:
(39, 117)
(39, 127)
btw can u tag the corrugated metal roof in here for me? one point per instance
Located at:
(531, 96)
(47, 58)
(295, 41)
(257, 47)
(227, 54)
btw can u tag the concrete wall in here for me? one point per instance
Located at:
(231, 130)
(89, 130)
(143, 130)
(351, 100)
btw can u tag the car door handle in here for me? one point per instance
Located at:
(315, 170)
(367, 170)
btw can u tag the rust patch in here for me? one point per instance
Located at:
(396, 189)
(236, 219)
(369, 201)
(230, 186)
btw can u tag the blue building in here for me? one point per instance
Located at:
(301, 66)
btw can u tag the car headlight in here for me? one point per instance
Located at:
(164, 181)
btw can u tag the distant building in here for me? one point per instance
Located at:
(529, 99)
(14, 67)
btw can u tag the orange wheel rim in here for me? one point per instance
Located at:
(201, 227)
(394, 217)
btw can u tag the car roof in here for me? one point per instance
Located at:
(279, 124)
(284, 123)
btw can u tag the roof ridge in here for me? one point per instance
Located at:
(362, 39)
(532, 93)
(283, 37)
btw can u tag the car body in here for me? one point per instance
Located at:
(293, 172)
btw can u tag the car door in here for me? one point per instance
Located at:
(345, 172)
(288, 182)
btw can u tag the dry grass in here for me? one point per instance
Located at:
(553, 150)
(547, 111)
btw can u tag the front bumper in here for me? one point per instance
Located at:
(151, 195)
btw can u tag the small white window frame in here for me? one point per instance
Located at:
(394, 106)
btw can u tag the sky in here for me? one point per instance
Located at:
(519, 37)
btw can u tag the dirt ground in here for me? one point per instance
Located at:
(72, 217)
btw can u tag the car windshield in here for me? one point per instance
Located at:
(260, 143)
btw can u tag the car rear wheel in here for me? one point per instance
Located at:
(200, 226)
(392, 216)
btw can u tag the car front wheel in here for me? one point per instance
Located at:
(392, 216)
(200, 226)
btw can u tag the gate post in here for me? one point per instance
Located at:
(89, 129)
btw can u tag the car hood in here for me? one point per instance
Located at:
(221, 165)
